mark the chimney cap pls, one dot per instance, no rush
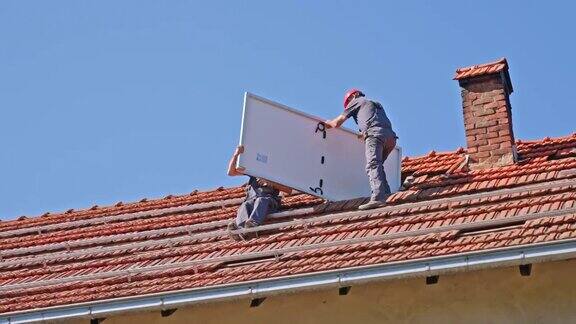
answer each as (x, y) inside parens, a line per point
(482, 69)
(499, 67)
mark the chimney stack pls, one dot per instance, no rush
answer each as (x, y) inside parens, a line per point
(487, 114)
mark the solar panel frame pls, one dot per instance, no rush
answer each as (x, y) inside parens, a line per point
(295, 149)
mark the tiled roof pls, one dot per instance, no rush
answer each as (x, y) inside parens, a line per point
(482, 69)
(180, 242)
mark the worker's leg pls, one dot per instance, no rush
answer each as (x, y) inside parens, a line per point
(262, 207)
(375, 168)
(244, 211)
(389, 145)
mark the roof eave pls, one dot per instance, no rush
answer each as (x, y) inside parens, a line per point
(533, 253)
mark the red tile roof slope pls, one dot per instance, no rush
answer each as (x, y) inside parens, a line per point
(477, 70)
(180, 242)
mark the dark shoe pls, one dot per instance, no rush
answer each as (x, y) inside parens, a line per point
(372, 204)
(232, 227)
(250, 224)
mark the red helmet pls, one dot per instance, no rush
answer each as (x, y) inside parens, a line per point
(348, 96)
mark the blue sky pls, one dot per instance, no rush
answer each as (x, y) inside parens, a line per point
(102, 101)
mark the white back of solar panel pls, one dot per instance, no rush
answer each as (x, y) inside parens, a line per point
(292, 148)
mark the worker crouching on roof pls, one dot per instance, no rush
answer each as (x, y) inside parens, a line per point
(379, 138)
(262, 199)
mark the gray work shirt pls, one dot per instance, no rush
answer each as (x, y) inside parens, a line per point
(255, 189)
(370, 117)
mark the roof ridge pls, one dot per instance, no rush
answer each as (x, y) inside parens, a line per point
(547, 139)
(462, 150)
(434, 153)
(119, 217)
(118, 205)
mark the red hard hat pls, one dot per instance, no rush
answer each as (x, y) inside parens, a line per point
(348, 96)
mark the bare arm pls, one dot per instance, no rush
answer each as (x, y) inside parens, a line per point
(336, 122)
(232, 169)
(277, 186)
(348, 112)
(283, 188)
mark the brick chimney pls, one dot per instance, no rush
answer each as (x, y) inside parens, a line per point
(487, 114)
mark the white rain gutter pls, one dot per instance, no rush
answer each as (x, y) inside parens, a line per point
(534, 253)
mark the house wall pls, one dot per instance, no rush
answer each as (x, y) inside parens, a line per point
(487, 296)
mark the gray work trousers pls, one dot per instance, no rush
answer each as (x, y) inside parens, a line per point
(255, 209)
(377, 150)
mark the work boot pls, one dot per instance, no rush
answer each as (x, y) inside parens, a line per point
(231, 228)
(374, 203)
(250, 224)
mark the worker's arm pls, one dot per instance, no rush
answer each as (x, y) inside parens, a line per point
(283, 188)
(349, 112)
(275, 185)
(232, 169)
(336, 122)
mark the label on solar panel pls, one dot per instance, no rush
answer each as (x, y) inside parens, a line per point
(295, 149)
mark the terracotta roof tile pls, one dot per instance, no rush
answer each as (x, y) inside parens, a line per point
(186, 234)
(482, 69)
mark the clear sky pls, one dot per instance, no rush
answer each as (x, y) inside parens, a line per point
(102, 101)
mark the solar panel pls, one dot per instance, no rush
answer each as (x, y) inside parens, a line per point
(295, 149)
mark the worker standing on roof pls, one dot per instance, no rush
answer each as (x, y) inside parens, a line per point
(262, 198)
(379, 139)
